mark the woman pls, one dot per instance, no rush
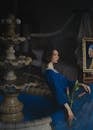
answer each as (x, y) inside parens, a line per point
(58, 83)
(90, 60)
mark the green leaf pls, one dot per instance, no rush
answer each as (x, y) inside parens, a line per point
(72, 96)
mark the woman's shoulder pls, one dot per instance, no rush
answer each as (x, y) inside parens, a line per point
(54, 73)
(49, 72)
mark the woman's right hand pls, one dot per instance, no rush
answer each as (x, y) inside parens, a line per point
(70, 115)
(70, 118)
(69, 112)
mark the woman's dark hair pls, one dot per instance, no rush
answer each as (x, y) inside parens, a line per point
(48, 54)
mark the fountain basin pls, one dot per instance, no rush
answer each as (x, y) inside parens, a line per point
(40, 124)
(36, 114)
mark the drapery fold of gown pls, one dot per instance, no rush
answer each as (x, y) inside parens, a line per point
(82, 108)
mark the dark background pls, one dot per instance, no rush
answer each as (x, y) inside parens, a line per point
(43, 16)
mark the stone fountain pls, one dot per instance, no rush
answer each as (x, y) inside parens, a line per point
(12, 83)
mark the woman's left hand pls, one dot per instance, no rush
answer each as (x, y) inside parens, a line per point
(86, 87)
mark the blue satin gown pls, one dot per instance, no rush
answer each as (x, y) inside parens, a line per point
(82, 108)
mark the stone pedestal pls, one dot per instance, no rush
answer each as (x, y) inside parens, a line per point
(11, 109)
(40, 124)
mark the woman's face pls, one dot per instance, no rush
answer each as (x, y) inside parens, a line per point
(55, 56)
(90, 52)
